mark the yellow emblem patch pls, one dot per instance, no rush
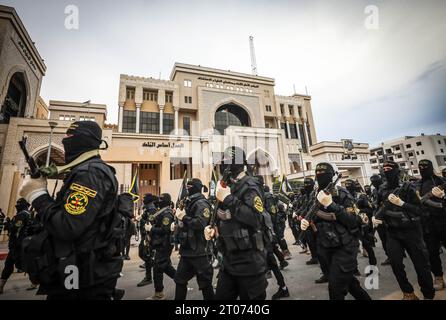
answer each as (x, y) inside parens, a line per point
(76, 203)
(166, 221)
(206, 213)
(87, 191)
(258, 204)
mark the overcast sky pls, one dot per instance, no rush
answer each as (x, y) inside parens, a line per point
(366, 84)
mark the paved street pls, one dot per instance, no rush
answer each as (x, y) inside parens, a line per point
(298, 276)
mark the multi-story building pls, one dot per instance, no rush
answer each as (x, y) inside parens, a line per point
(409, 150)
(167, 127)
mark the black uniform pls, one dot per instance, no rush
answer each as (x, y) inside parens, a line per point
(434, 216)
(194, 259)
(75, 220)
(161, 242)
(18, 229)
(241, 243)
(337, 240)
(404, 231)
(376, 181)
(145, 250)
(278, 219)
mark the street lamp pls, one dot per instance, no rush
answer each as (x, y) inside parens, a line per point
(52, 126)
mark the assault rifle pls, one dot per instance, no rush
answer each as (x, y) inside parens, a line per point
(427, 199)
(33, 169)
(315, 206)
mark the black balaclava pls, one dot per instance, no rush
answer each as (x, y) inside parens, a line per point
(194, 186)
(426, 169)
(392, 173)
(350, 186)
(164, 200)
(84, 136)
(266, 189)
(149, 198)
(21, 205)
(308, 186)
(324, 175)
(358, 187)
(443, 173)
(302, 191)
(234, 158)
(368, 190)
(376, 180)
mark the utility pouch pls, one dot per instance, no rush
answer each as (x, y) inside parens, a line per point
(242, 239)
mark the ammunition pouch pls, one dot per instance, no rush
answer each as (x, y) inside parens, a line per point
(326, 216)
(241, 240)
(328, 236)
(397, 219)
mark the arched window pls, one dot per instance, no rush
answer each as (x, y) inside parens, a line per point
(15, 101)
(231, 115)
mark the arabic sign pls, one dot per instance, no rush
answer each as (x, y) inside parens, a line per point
(229, 82)
(170, 145)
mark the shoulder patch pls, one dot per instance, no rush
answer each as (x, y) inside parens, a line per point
(166, 221)
(76, 203)
(206, 213)
(87, 191)
(258, 204)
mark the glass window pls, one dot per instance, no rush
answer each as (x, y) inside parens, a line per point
(419, 143)
(188, 83)
(178, 166)
(129, 121)
(61, 117)
(302, 138)
(281, 109)
(283, 127)
(169, 97)
(186, 124)
(130, 93)
(290, 109)
(168, 123)
(149, 122)
(408, 146)
(293, 131)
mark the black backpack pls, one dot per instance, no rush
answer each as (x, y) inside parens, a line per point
(38, 251)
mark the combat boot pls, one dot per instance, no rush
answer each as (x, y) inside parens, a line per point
(322, 279)
(281, 293)
(283, 264)
(158, 296)
(286, 254)
(144, 282)
(268, 275)
(311, 262)
(438, 283)
(386, 262)
(410, 296)
(2, 285)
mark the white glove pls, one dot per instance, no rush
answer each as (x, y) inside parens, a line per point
(180, 214)
(376, 222)
(294, 215)
(172, 227)
(437, 192)
(290, 206)
(222, 192)
(148, 227)
(364, 218)
(324, 199)
(209, 233)
(31, 189)
(304, 224)
(395, 200)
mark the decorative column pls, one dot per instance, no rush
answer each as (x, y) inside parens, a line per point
(120, 116)
(279, 125)
(288, 129)
(161, 118)
(138, 116)
(176, 109)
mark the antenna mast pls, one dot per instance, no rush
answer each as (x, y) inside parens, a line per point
(253, 56)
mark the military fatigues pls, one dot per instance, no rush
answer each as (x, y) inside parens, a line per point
(194, 259)
(382, 228)
(434, 222)
(310, 234)
(366, 236)
(292, 223)
(160, 235)
(241, 243)
(337, 246)
(278, 219)
(18, 230)
(145, 250)
(404, 232)
(77, 221)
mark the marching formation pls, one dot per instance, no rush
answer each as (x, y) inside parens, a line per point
(73, 245)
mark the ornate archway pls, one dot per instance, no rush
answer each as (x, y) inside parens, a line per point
(15, 102)
(231, 114)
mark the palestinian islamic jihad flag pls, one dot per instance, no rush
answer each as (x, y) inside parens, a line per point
(134, 187)
(284, 190)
